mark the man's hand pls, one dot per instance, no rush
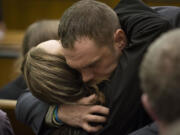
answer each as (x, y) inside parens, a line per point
(80, 114)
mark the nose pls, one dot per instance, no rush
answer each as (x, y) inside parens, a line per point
(87, 75)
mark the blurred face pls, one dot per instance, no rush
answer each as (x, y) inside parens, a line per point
(94, 63)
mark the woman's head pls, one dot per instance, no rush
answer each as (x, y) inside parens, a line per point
(50, 78)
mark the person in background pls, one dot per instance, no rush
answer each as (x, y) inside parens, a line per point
(160, 79)
(5, 125)
(36, 33)
(172, 14)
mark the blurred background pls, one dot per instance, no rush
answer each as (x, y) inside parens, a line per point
(17, 15)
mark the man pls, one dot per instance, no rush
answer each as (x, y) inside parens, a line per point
(99, 47)
(160, 80)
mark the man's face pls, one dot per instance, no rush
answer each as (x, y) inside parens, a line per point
(94, 63)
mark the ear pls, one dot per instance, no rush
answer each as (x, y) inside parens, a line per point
(120, 39)
(147, 105)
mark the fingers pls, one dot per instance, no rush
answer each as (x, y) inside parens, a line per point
(99, 109)
(96, 118)
(88, 100)
(90, 128)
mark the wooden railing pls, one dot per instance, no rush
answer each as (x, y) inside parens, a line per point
(7, 104)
